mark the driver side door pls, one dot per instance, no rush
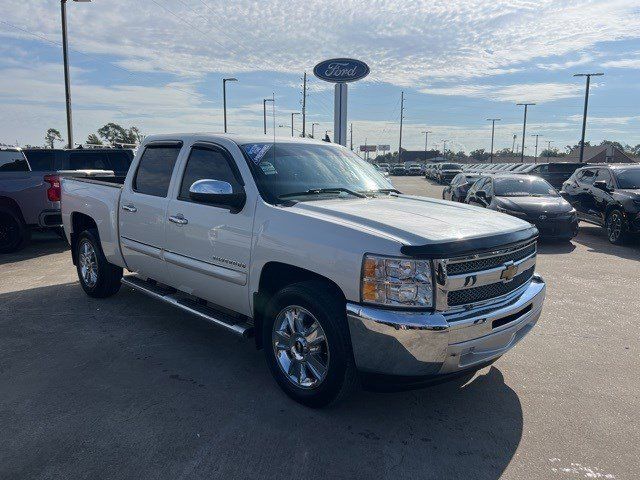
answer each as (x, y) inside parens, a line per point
(208, 246)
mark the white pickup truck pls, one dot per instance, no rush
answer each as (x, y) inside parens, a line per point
(341, 279)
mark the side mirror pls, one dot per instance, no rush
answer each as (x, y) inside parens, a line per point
(217, 192)
(602, 185)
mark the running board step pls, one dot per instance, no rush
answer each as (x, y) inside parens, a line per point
(236, 325)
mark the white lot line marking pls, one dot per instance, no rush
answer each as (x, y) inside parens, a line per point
(576, 470)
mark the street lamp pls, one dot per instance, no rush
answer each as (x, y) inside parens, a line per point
(426, 136)
(264, 111)
(535, 157)
(493, 129)
(444, 148)
(292, 114)
(312, 125)
(224, 99)
(524, 127)
(586, 103)
(65, 60)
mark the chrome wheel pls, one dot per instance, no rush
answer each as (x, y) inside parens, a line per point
(614, 226)
(88, 263)
(300, 347)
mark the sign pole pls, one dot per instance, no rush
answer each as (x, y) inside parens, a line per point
(340, 114)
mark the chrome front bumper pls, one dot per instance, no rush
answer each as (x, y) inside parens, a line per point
(404, 343)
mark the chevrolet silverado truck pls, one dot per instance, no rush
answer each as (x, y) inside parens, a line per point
(339, 278)
(29, 199)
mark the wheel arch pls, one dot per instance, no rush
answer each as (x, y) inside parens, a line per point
(10, 203)
(79, 223)
(273, 277)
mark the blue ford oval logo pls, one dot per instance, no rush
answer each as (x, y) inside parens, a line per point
(339, 70)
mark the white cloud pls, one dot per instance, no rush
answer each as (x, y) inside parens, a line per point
(623, 63)
(529, 92)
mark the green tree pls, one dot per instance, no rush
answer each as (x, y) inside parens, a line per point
(113, 133)
(93, 139)
(51, 137)
(553, 152)
(480, 155)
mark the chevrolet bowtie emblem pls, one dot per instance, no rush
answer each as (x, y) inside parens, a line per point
(510, 271)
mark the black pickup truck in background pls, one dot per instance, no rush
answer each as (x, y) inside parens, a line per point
(51, 159)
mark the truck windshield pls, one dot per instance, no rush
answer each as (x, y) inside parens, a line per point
(284, 170)
(523, 187)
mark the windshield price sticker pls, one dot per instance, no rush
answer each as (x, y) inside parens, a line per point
(257, 151)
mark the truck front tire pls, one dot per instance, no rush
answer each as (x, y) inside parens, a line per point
(14, 234)
(98, 278)
(307, 344)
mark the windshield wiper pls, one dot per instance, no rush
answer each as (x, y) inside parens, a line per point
(320, 191)
(382, 190)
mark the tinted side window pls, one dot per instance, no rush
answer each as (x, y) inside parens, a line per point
(41, 160)
(204, 163)
(120, 160)
(11, 161)
(154, 170)
(563, 167)
(604, 175)
(85, 161)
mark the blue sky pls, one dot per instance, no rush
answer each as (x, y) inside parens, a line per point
(158, 64)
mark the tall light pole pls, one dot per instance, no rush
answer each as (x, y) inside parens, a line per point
(264, 112)
(401, 118)
(65, 60)
(426, 136)
(493, 129)
(292, 114)
(524, 127)
(513, 145)
(444, 149)
(586, 104)
(549, 142)
(224, 99)
(312, 130)
(535, 157)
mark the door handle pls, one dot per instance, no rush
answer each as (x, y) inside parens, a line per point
(129, 208)
(179, 219)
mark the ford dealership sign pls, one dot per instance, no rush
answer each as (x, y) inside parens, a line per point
(341, 70)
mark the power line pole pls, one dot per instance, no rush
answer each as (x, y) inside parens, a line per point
(524, 127)
(586, 104)
(264, 112)
(426, 136)
(493, 129)
(401, 118)
(351, 135)
(549, 142)
(304, 105)
(535, 157)
(224, 99)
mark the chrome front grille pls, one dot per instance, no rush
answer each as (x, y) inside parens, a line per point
(486, 292)
(518, 253)
(482, 278)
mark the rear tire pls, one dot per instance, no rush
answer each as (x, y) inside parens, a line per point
(616, 227)
(314, 369)
(98, 278)
(14, 234)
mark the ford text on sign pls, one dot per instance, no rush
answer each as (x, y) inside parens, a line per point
(341, 70)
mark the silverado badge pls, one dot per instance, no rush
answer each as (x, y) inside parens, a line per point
(510, 271)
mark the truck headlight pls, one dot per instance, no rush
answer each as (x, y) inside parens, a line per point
(397, 282)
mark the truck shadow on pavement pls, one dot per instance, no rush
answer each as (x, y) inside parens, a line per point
(128, 387)
(595, 239)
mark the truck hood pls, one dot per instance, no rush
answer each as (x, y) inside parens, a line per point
(414, 220)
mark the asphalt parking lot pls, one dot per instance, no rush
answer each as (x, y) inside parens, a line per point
(130, 388)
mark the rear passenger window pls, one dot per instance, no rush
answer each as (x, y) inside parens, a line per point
(12, 161)
(155, 168)
(587, 176)
(205, 163)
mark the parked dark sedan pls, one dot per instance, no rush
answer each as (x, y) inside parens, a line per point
(457, 190)
(608, 196)
(529, 198)
(555, 173)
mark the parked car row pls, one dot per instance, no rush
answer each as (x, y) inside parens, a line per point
(442, 172)
(605, 195)
(30, 186)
